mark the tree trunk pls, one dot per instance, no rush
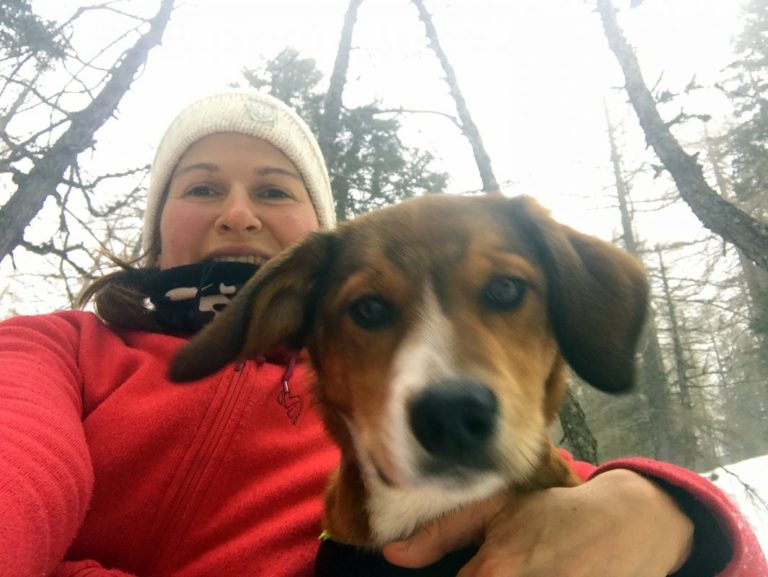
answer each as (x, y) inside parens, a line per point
(48, 170)
(468, 127)
(577, 433)
(687, 446)
(622, 191)
(330, 121)
(653, 382)
(715, 213)
(676, 336)
(653, 375)
(755, 279)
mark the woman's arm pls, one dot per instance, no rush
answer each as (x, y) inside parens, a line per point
(86, 569)
(45, 470)
(633, 518)
(724, 543)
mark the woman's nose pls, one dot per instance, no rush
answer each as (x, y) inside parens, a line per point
(238, 214)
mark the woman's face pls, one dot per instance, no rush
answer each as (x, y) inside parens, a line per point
(233, 197)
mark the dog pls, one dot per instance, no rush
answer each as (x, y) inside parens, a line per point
(439, 330)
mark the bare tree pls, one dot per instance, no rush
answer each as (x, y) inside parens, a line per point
(653, 380)
(467, 125)
(755, 278)
(576, 433)
(717, 214)
(330, 120)
(44, 164)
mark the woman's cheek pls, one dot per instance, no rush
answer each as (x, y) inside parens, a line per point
(183, 231)
(292, 226)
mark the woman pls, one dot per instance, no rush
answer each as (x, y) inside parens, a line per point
(108, 469)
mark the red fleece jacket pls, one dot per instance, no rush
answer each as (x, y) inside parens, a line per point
(108, 469)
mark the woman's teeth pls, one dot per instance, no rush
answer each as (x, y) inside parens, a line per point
(251, 259)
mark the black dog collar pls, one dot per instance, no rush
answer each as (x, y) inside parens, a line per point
(336, 559)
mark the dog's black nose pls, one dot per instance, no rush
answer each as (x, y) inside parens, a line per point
(454, 420)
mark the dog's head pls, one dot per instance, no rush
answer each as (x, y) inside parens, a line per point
(437, 329)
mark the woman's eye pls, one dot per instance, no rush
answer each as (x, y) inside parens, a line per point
(273, 193)
(201, 191)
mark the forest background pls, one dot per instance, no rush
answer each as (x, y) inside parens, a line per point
(647, 126)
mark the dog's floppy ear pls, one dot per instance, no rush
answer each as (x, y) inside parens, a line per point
(597, 296)
(271, 309)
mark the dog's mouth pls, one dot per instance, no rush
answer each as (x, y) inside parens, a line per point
(431, 470)
(468, 467)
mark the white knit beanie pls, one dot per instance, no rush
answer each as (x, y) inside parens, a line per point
(250, 113)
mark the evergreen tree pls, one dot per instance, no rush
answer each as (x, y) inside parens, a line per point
(748, 90)
(372, 167)
(23, 33)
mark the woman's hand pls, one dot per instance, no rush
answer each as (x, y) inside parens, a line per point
(618, 524)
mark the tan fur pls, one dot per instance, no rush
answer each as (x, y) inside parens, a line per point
(584, 305)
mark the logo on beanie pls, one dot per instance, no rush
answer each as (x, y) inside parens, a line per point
(261, 112)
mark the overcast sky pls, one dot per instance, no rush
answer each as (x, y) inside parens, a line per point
(534, 74)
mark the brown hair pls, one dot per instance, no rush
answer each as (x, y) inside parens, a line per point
(120, 297)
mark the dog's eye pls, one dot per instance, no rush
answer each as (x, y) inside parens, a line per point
(371, 312)
(504, 293)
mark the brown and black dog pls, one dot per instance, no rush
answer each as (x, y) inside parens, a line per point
(439, 330)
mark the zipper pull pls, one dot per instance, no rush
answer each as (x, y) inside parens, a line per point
(293, 404)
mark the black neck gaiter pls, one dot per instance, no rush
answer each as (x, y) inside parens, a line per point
(186, 298)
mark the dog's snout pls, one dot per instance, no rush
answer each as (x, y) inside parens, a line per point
(454, 421)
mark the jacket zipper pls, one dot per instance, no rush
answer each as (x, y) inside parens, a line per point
(172, 528)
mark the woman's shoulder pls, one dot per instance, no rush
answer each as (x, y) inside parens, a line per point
(73, 320)
(77, 326)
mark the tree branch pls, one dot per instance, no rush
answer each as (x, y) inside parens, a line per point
(47, 171)
(468, 126)
(715, 213)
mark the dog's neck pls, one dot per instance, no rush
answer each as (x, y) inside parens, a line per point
(395, 513)
(346, 519)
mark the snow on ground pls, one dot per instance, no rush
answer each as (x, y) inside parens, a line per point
(747, 484)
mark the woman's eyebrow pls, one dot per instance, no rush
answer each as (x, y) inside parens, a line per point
(267, 170)
(207, 166)
(211, 167)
